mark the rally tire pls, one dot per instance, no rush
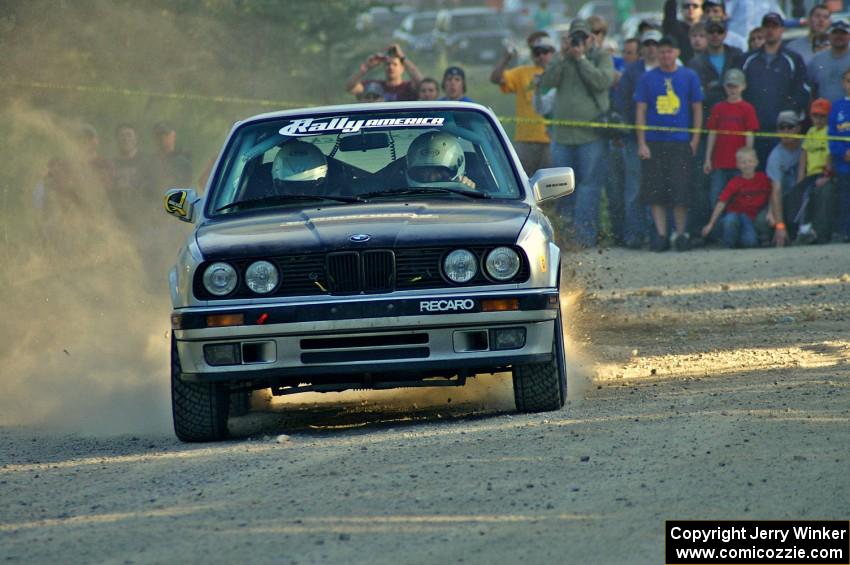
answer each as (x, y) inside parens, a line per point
(542, 387)
(199, 409)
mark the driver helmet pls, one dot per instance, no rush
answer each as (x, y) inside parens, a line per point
(435, 157)
(299, 164)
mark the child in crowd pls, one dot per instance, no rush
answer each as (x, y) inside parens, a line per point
(732, 114)
(698, 37)
(755, 40)
(744, 198)
(839, 151)
(812, 197)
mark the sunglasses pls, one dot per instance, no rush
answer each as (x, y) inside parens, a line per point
(540, 51)
(597, 31)
(716, 31)
(688, 6)
(785, 127)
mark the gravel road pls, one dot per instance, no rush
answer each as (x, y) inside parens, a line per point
(711, 384)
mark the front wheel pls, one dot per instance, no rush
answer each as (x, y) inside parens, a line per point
(199, 409)
(541, 387)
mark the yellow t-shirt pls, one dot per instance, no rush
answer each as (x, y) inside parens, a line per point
(816, 147)
(520, 81)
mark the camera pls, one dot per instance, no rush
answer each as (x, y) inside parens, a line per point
(578, 39)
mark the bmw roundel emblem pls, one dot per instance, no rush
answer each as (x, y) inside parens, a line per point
(360, 237)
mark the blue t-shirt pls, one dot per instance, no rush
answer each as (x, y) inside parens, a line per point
(668, 98)
(464, 98)
(717, 62)
(839, 126)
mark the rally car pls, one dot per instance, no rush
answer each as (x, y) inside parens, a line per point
(365, 246)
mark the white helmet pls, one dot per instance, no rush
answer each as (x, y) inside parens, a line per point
(435, 157)
(299, 162)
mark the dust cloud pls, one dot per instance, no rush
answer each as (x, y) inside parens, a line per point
(84, 342)
(580, 364)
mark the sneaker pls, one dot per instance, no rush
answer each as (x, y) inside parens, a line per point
(659, 244)
(681, 241)
(806, 238)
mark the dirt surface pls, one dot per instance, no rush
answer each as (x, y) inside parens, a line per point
(711, 384)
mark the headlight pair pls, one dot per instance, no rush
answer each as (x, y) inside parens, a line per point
(220, 279)
(501, 264)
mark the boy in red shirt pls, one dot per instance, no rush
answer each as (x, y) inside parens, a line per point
(733, 114)
(743, 199)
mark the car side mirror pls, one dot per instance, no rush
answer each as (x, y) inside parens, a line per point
(180, 203)
(547, 184)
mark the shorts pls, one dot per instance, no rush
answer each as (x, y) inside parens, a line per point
(665, 178)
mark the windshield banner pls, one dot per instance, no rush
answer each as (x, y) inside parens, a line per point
(312, 126)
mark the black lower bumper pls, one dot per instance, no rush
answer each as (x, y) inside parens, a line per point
(398, 370)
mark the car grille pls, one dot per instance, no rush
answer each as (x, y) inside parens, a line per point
(355, 272)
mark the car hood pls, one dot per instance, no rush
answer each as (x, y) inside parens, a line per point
(387, 225)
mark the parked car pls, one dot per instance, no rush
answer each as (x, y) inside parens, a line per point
(472, 35)
(382, 21)
(367, 246)
(417, 33)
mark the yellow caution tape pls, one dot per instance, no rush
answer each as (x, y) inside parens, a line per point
(602, 125)
(166, 95)
(290, 104)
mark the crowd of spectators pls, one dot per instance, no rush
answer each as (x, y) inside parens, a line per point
(667, 183)
(713, 66)
(126, 189)
(140, 177)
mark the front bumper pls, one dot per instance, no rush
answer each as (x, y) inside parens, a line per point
(406, 337)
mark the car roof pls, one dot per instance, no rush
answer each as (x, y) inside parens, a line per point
(377, 107)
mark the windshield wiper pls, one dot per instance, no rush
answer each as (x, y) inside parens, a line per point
(283, 198)
(426, 190)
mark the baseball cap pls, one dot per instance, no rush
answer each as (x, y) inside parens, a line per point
(579, 25)
(454, 71)
(820, 106)
(789, 117)
(735, 76)
(839, 25)
(772, 18)
(544, 42)
(713, 3)
(651, 35)
(670, 41)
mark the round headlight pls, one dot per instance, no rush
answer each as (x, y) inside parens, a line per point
(220, 279)
(460, 265)
(261, 277)
(502, 263)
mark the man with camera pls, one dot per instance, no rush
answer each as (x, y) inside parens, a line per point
(394, 86)
(530, 140)
(582, 73)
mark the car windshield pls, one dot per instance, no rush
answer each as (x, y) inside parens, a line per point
(350, 158)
